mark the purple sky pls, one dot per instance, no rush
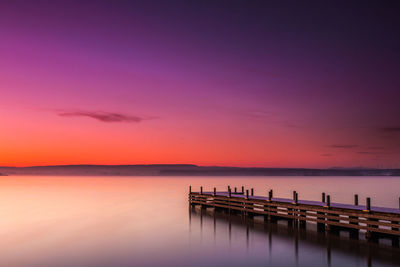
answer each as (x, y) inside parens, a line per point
(249, 83)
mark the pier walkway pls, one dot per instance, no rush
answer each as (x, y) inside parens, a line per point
(376, 222)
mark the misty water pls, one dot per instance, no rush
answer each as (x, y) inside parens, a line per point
(146, 221)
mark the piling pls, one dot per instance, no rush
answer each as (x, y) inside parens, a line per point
(368, 205)
(328, 201)
(354, 233)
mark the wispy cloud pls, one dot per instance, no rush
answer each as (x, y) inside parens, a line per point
(258, 114)
(376, 147)
(375, 153)
(344, 146)
(390, 129)
(269, 117)
(102, 116)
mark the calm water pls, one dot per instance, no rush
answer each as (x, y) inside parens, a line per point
(146, 221)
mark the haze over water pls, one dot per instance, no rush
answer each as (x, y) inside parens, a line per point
(146, 221)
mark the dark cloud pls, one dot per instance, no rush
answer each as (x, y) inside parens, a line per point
(347, 146)
(376, 153)
(390, 129)
(269, 117)
(375, 147)
(258, 114)
(102, 116)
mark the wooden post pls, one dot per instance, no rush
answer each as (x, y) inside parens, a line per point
(321, 225)
(328, 205)
(321, 216)
(291, 213)
(368, 205)
(235, 190)
(201, 190)
(354, 233)
(272, 209)
(242, 189)
(252, 192)
(229, 188)
(229, 192)
(296, 199)
(303, 223)
(215, 191)
(247, 193)
(190, 197)
(370, 234)
(328, 201)
(395, 239)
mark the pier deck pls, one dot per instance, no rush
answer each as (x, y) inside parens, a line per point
(375, 221)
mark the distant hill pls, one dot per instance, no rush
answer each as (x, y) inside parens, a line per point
(189, 170)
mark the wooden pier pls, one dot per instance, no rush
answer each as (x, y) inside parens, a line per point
(376, 222)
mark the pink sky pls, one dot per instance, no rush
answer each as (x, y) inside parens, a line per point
(142, 84)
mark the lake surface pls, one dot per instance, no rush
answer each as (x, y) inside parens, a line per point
(146, 221)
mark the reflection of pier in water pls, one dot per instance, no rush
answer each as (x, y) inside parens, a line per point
(330, 242)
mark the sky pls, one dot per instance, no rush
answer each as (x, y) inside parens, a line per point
(230, 83)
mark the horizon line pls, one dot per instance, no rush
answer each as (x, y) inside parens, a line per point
(195, 165)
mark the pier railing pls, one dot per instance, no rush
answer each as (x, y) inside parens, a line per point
(375, 221)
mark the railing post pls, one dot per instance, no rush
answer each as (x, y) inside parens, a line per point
(368, 205)
(235, 190)
(294, 196)
(296, 199)
(252, 192)
(242, 189)
(215, 191)
(190, 189)
(356, 199)
(201, 190)
(229, 192)
(247, 193)
(323, 197)
(328, 201)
